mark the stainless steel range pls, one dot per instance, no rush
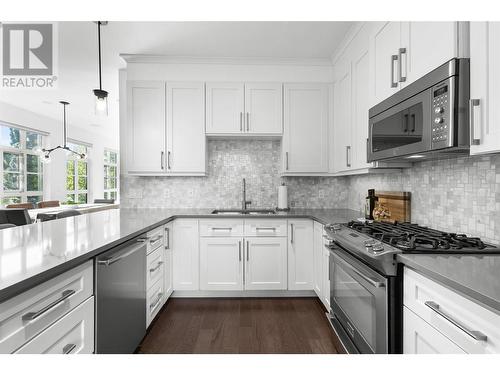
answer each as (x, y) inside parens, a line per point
(366, 280)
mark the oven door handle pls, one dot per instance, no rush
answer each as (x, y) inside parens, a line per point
(368, 279)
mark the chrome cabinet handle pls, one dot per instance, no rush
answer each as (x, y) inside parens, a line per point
(241, 121)
(239, 250)
(161, 160)
(291, 233)
(155, 239)
(401, 52)
(35, 314)
(154, 305)
(167, 234)
(265, 229)
(68, 348)
(158, 265)
(221, 228)
(286, 160)
(476, 335)
(110, 261)
(473, 140)
(348, 156)
(248, 252)
(168, 160)
(248, 121)
(393, 59)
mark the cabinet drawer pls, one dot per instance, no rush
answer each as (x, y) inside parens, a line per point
(421, 338)
(154, 301)
(155, 267)
(72, 334)
(221, 227)
(265, 228)
(154, 239)
(466, 323)
(26, 315)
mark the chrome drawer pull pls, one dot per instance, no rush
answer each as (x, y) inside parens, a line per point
(68, 348)
(155, 239)
(33, 315)
(158, 265)
(154, 305)
(476, 335)
(229, 228)
(266, 228)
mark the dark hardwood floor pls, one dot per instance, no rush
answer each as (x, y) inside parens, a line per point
(241, 325)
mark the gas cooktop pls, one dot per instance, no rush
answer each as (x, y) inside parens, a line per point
(414, 238)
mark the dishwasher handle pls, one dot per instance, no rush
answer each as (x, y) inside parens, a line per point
(130, 251)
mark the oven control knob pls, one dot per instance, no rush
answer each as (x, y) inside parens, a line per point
(333, 227)
(378, 248)
(438, 120)
(438, 110)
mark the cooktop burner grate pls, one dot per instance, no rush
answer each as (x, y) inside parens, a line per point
(410, 237)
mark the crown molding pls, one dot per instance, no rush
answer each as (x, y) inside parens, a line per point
(350, 35)
(166, 59)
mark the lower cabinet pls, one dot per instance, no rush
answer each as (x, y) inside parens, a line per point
(185, 250)
(221, 263)
(300, 254)
(321, 266)
(265, 263)
(421, 338)
(154, 301)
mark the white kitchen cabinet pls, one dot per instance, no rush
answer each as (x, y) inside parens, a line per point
(145, 131)
(225, 108)
(155, 298)
(318, 259)
(263, 108)
(221, 263)
(186, 139)
(325, 298)
(168, 274)
(342, 126)
(305, 136)
(185, 250)
(265, 263)
(421, 338)
(485, 87)
(300, 254)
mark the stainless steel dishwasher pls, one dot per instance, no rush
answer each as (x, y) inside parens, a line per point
(120, 283)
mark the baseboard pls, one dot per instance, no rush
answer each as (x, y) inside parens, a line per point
(241, 293)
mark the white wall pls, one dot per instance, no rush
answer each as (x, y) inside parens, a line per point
(55, 172)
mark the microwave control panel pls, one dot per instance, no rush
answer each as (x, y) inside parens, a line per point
(440, 117)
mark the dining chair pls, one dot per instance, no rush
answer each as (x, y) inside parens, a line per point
(67, 213)
(27, 205)
(16, 216)
(45, 204)
(7, 225)
(100, 200)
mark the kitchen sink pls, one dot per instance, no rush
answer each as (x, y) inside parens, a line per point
(244, 212)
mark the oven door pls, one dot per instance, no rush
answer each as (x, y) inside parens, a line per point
(404, 129)
(358, 298)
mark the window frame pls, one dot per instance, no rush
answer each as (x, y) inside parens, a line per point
(23, 153)
(116, 189)
(75, 160)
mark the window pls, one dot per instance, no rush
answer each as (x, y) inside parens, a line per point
(110, 174)
(21, 167)
(77, 176)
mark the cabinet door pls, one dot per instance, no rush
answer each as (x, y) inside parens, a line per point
(420, 338)
(185, 127)
(185, 248)
(485, 86)
(263, 108)
(221, 263)
(300, 255)
(305, 138)
(428, 45)
(386, 41)
(318, 259)
(225, 108)
(168, 275)
(265, 263)
(326, 279)
(146, 126)
(342, 117)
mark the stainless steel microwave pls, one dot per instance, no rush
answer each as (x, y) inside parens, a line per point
(427, 119)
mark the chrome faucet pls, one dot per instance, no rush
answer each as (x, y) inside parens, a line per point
(244, 202)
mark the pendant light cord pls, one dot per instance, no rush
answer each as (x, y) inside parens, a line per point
(99, 44)
(64, 126)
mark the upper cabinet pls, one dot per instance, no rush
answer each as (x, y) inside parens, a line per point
(165, 128)
(305, 137)
(244, 109)
(145, 126)
(405, 51)
(485, 87)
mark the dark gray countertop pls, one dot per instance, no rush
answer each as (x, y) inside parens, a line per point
(34, 253)
(474, 276)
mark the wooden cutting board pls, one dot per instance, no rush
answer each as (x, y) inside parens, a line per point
(392, 206)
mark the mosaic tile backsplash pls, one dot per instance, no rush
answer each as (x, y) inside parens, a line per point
(457, 195)
(229, 161)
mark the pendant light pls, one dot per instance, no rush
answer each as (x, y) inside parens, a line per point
(45, 153)
(101, 96)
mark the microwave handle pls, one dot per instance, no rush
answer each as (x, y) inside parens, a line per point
(473, 103)
(405, 123)
(394, 58)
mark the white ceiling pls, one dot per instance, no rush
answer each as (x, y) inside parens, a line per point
(78, 56)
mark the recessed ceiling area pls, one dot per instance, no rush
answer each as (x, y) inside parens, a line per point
(78, 56)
